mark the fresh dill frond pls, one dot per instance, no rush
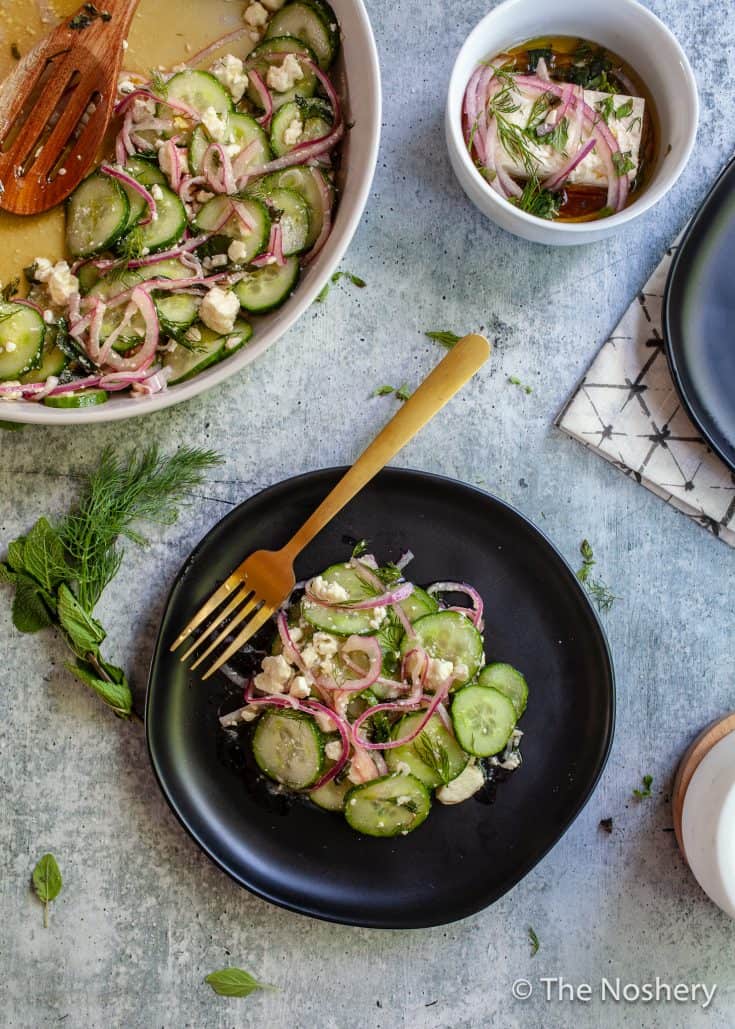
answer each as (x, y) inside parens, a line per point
(534, 941)
(543, 203)
(360, 548)
(434, 755)
(602, 595)
(447, 339)
(131, 247)
(158, 84)
(623, 162)
(118, 494)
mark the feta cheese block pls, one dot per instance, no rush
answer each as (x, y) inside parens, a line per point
(591, 171)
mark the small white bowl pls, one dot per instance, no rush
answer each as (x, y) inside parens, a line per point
(626, 28)
(357, 74)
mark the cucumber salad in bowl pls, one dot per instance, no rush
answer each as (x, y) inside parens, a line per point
(376, 698)
(219, 190)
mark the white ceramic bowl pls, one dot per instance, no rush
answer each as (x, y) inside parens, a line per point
(622, 26)
(708, 824)
(358, 76)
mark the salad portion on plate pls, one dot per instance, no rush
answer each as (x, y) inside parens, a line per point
(376, 697)
(219, 190)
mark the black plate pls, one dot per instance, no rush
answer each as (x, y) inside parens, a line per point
(462, 858)
(699, 318)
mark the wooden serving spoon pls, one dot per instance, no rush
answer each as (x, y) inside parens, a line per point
(56, 104)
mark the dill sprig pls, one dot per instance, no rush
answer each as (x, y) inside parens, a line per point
(434, 755)
(601, 593)
(148, 487)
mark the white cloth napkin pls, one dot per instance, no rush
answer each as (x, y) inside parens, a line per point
(627, 410)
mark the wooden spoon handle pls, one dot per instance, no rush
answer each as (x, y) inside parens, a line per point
(460, 364)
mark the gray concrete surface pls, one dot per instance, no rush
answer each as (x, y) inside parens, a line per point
(143, 915)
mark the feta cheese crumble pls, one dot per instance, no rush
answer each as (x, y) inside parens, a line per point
(237, 252)
(256, 15)
(230, 72)
(293, 132)
(219, 310)
(215, 124)
(57, 278)
(333, 750)
(328, 592)
(463, 787)
(283, 77)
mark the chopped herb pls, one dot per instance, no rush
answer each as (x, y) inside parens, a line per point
(389, 574)
(15, 51)
(433, 755)
(600, 593)
(633, 122)
(538, 112)
(403, 393)
(383, 391)
(447, 339)
(59, 573)
(354, 279)
(360, 548)
(606, 107)
(534, 56)
(534, 941)
(132, 246)
(589, 69)
(158, 84)
(641, 794)
(10, 290)
(623, 162)
(606, 824)
(234, 982)
(624, 110)
(542, 203)
(515, 381)
(47, 883)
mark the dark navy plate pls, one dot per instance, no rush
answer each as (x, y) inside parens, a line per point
(699, 318)
(462, 858)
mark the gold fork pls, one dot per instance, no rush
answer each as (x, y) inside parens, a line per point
(259, 586)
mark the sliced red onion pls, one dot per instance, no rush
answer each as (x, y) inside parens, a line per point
(461, 587)
(147, 351)
(301, 154)
(242, 216)
(265, 97)
(116, 333)
(420, 678)
(369, 646)
(222, 179)
(167, 255)
(146, 94)
(239, 165)
(404, 560)
(212, 48)
(133, 184)
(557, 180)
(393, 596)
(403, 619)
(433, 704)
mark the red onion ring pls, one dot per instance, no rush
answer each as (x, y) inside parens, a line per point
(365, 645)
(461, 587)
(433, 703)
(137, 187)
(265, 97)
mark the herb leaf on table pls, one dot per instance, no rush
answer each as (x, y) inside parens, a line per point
(234, 982)
(645, 791)
(59, 573)
(602, 595)
(47, 882)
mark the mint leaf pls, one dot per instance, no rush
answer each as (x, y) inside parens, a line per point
(44, 555)
(234, 982)
(7, 574)
(85, 632)
(116, 694)
(30, 612)
(16, 559)
(47, 882)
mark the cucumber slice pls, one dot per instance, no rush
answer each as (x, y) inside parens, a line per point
(267, 288)
(508, 681)
(88, 277)
(146, 171)
(312, 118)
(450, 636)
(483, 720)
(329, 18)
(305, 22)
(304, 181)
(96, 215)
(332, 619)
(418, 604)
(434, 756)
(289, 748)
(83, 398)
(243, 131)
(390, 806)
(185, 363)
(294, 219)
(53, 362)
(200, 90)
(136, 205)
(211, 215)
(332, 795)
(272, 52)
(22, 332)
(176, 312)
(168, 228)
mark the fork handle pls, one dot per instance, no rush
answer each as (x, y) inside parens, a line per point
(460, 364)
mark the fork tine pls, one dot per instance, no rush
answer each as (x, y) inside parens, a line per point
(228, 629)
(209, 607)
(250, 629)
(236, 601)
